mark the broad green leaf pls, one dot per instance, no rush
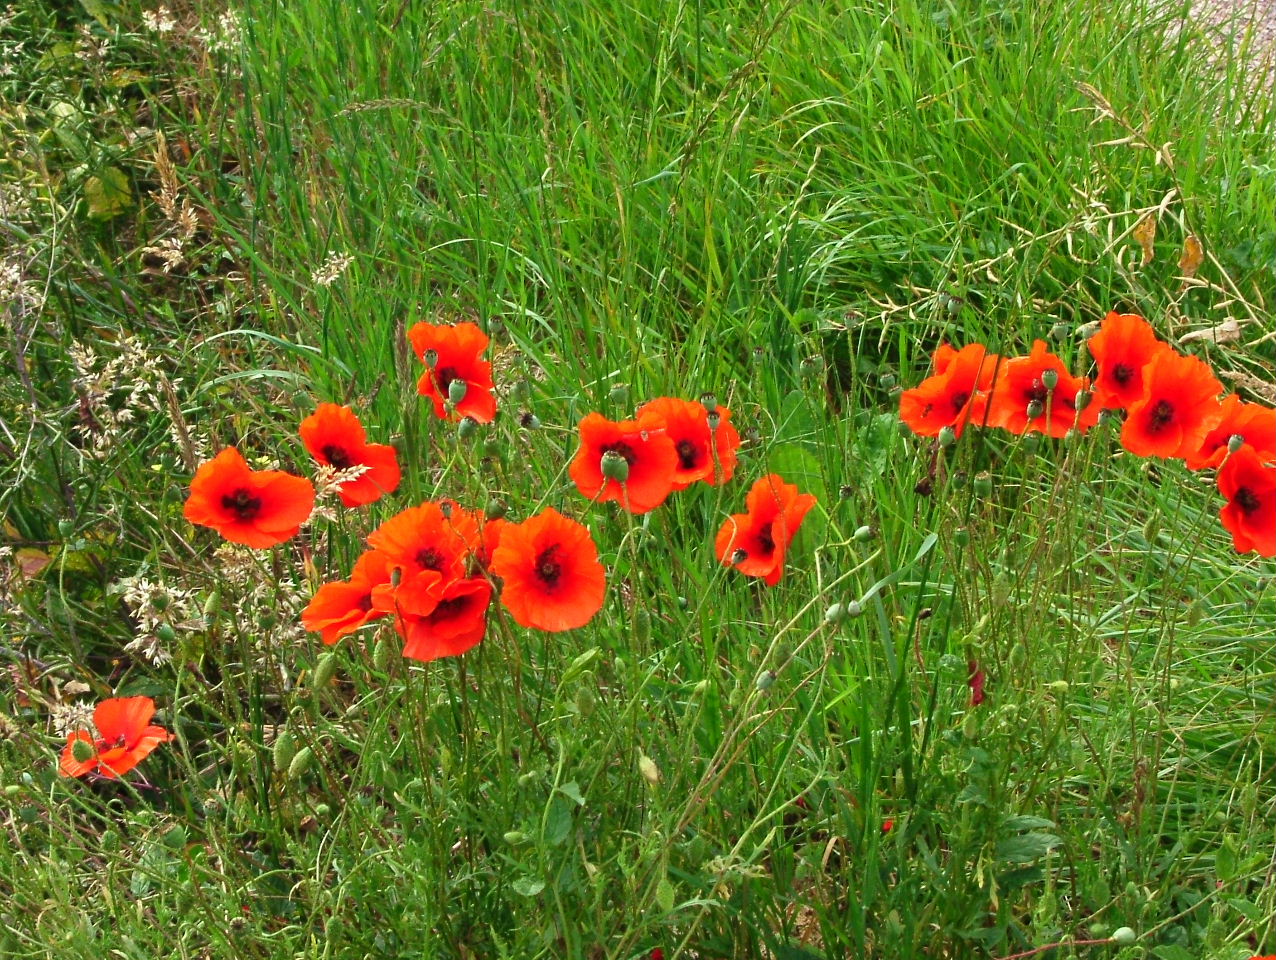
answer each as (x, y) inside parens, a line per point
(108, 194)
(1026, 847)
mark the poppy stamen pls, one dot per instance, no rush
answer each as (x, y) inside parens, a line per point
(1122, 373)
(337, 457)
(429, 558)
(242, 504)
(688, 455)
(548, 569)
(1162, 414)
(1246, 500)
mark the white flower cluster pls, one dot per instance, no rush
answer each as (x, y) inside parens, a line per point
(333, 266)
(160, 611)
(159, 20)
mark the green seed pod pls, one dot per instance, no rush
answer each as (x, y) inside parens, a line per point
(1072, 437)
(959, 480)
(854, 609)
(1235, 442)
(161, 602)
(1050, 379)
(614, 466)
(431, 359)
(1060, 331)
(166, 632)
(456, 391)
(495, 327)
(212, 607)
(1035, 409)
(1082, 400)
(1032, 442)
(983, 483)
(82, 751)
(961, 536)
(1124, 936)
(284, 749)
(619, 394)
(325, 670)
(301, 763)
(947, 437)
(468, 426)
(886, 380)
(495, 508)
(953, 304)
(642, 626)
(835, 614)
(66, 528)
(381, 656)
(322, 810)
(862, 533)
(12, 790)
(709, 401)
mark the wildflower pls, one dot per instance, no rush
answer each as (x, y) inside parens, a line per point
(1253, 422)
(1021, 402)
(705, 443)
(888, 825)
(343, 607)
(125, 736)
(451, 354)
(457, 622)
(1123, 347)
(1249, 484)
(550, 571)
(335, 438)
(976, 682)
(1172, 417)
(756, 542)
(951, 398)
(258, 508)
(425, 538)
(646, 449)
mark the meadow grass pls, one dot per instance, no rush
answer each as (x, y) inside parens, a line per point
(786, 205)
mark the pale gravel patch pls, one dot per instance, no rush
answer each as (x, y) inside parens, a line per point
(1248, 26)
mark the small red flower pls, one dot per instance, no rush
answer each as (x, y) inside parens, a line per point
(705, 443)
(125, 738)
(951, 398)
(451, 353)
(888, 825)
(1172, 417)
(649, 455)
(755, 542)
(341, 608)
(335, 437)
(258, 508)
(428, 538)
(549, 568)
(1022, 402)
(1252, 421)
(1124, 345)
(456, 623)
(976, 682)
(1249, 485)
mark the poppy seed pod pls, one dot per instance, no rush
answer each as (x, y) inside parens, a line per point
(709, 401)
(468, 426)
(82, 751)
(431, 359)
(1060, 331)
(1235, 442)
(766, 680)
(1082, 400)
(495, 326)
(947, 437)
(614, 466)
(862, 533)
(1031, 442)
(166, 632)
(1035, 409)
(529, 421)
(983, 483)
(619, 394)
(456, 391)
(1050, 379)
(886, 380)
(739, 556)
(961, 536)
(495, 509)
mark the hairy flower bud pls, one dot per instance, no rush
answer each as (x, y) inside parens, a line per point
(325, 670)
(82, 751)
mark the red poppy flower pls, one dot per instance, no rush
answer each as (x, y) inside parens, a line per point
(1124, 345)
(428, 538)
(258, 508)
(888, 825)
(451, 353)
(976, 682)
(944, 355)
(755, 542)
(649, 455)
(705, 452)
(1021, 386)
(551, 576)
(1252, 421)
(1172, 417)
(340, 608)
(457, 622)
(952, 397)
(1249, 485)
(335, 437)
(125, 738)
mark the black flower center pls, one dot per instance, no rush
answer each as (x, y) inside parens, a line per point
(1247, 500)
(428, 558)
(449, 608)
(365, 603)
(958, 400)
(1162, 414)
(688, 455)
(242, 504)
(445, 377)
(548, 567)
(766, 541)
(337, 456)
(1037, 392)
(1122, 373)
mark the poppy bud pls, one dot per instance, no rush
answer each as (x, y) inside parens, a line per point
(166, 632)
(1072, 437)
(495, 508)
(709, 401)
(82, 751)
(1124, 936)
(468, 426)
(381, 656)
(614, 466)
(835, 614)
(854, 608)
(285, 748)
(495, 326)
(1035, 409)
(161, 602)
(619, 394)
(647, 767)
(302, 762)
(1050, 379)
(766, 680)
(862, 533)
(1082, 400)
(947, 437)
(431, 358)
(700, 687)
(1151, 527)
(212, 606)
(642, 626)
(886, 380)
(983, 483)
(739, 556)
(110, 840)
(961, 536)
(1058, 687)
(325, 670)
(1235, 442)
(514, 837)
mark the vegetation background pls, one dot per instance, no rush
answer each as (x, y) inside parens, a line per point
(213, 218)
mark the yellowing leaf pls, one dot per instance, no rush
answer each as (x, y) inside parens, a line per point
(108, 194)
(1192, 258)
(31, 561)
(1145, 236)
